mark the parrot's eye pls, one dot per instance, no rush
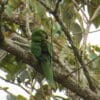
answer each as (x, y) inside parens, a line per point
(46, 36)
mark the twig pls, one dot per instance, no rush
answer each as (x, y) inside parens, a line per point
(19, 38)
(28, 31)
(57, 6)
(91, 61)
(15, 84)
(96, 13)
(22, 44)
(17, 20)
(94, 31)
(2, 54)
(5, 89)
(74, 1)
(58, 96)
(85, 35)
(49, 9)
(1, 12)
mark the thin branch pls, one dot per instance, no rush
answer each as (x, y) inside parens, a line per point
(58, 96)
(57, 6)
(2, 54)
(63, 65)
(95, 31)
(5, 90)
(77, 5)
(49, 9)
(19, 38)
(14, 84)
(22, 44)
(85, 35)
(91, 61)
(17, 20)
(28, 31)
(96, 13)
(1, 34)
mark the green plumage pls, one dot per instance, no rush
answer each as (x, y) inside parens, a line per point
(42, 50)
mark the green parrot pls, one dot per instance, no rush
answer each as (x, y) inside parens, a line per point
(42, 50)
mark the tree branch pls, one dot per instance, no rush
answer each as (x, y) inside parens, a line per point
(96, 13)
(19, 52)
(57, 6)
(91, 61)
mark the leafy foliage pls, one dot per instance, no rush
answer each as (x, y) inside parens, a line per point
(18, 21)
(11, 66)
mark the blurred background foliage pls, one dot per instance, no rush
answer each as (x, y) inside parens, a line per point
(21, 17)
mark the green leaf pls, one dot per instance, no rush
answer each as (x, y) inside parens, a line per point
(40, 10)
(92, 55)
(20, 97)
(9, 10)
(11, 97)
(76, 29)
(97, 48)
(68, 14)
(56, 28)
(96, 21)
(77, 33)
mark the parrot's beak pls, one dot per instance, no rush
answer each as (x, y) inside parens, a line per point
(46, 36)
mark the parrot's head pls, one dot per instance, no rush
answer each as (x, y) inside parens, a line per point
(39, 35)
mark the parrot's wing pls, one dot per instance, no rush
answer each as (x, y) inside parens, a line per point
(42, 49)
(47, 69)
(50, 49)
(36, 49)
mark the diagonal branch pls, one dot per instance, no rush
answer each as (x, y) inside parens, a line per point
(91, 61)
(96, 13)
(57, 6)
